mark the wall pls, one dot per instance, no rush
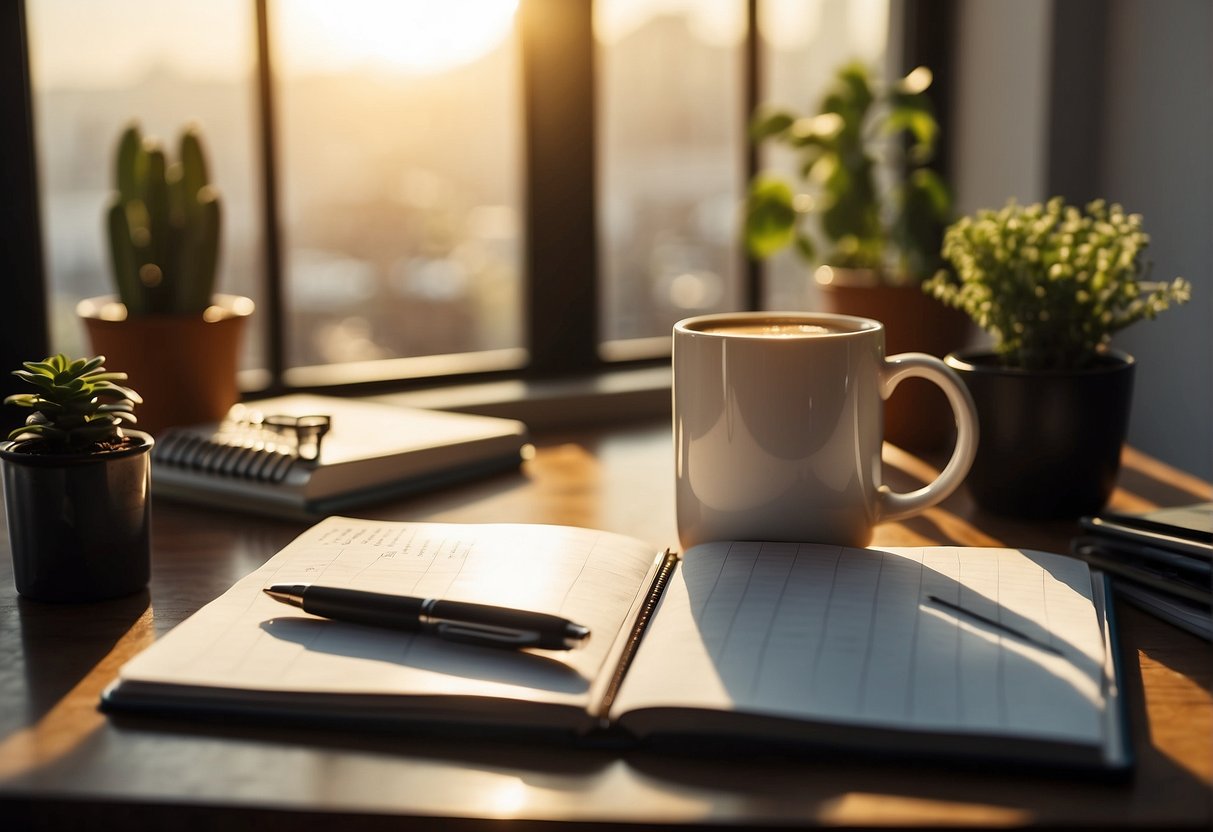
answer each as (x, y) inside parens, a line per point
(1158, 161)
(1151, 140)
(1002, 66)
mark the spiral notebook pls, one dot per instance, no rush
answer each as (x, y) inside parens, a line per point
(309, 456)
(991, 654)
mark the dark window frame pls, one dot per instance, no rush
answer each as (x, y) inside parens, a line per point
(561, 234)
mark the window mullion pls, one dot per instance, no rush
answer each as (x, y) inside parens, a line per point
(23, 315)
(562, 256)
(273, 279)
(752, 272)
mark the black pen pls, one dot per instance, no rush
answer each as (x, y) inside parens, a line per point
(451, 620)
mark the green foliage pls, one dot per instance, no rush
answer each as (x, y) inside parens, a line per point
(76, 406)
(1052, 283)
(855, 223)
(163, 225)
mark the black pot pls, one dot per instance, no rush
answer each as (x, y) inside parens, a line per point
(79, 524)
(1050, 440)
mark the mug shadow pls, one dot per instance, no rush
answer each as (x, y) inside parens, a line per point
(878, 636)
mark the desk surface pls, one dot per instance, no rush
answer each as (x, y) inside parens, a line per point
(65, 765)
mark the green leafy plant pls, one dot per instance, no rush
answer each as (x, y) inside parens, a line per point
(837, 213)
(1052, 282)
(77, 405)
(163, 225)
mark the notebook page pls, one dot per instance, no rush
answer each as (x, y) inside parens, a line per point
(875, 638)
(246, 640)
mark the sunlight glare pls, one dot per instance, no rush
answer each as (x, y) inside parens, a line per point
(719, 23)
(404, 36)
(868, 22)
(790, 24)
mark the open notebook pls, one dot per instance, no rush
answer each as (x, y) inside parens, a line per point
(994, 654)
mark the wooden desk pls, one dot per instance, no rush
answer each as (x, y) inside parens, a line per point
(64, 765)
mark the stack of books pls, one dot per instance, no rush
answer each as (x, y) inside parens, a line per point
(1161, 561)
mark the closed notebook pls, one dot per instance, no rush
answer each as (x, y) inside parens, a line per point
(971, 654)
(256, 460)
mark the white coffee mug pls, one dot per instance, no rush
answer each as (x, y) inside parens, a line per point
(779, 423)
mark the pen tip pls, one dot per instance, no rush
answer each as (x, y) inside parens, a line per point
(575, 635)
(285, 593)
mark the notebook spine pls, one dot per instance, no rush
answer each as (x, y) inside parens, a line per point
(642, 622)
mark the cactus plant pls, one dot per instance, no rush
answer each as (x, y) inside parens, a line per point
(163, 225)
(77, 406)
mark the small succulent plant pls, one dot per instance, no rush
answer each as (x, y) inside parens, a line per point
(1052, 282)
(77, 405)
(163, 226)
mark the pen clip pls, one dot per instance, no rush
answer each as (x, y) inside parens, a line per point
(485, 634)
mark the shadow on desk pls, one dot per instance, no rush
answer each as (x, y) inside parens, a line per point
(821, 786)
(84, 634)
(470, 748)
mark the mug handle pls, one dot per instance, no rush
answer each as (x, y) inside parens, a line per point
(894, 505)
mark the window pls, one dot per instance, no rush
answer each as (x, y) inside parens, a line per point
(400, 189)
(810, 41)
(93, 72)
(416, 189)
(670, 151)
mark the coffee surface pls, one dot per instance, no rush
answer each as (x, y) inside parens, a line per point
(772, 328)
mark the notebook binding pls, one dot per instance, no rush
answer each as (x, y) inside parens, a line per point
(225, 456)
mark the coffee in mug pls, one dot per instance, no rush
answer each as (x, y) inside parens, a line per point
(779, 423)
(770, 328)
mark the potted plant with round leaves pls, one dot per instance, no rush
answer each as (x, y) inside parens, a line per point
(872, 237)
(178, 340)
(76, 484)
(1051, 283)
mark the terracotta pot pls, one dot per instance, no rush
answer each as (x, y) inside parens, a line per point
(78, 524)
(917, 416)
(1050, 440)
(183, 366)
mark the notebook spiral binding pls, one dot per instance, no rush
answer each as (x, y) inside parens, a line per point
(248, 445)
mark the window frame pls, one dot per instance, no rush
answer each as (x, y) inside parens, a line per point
(561, 236)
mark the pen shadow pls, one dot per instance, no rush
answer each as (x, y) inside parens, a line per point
(421, 652)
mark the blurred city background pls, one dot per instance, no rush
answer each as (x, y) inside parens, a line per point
(400, 152)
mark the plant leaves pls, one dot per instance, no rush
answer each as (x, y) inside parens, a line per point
(770, 122)
(919, 122)
(770, 217)
(931, 189)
